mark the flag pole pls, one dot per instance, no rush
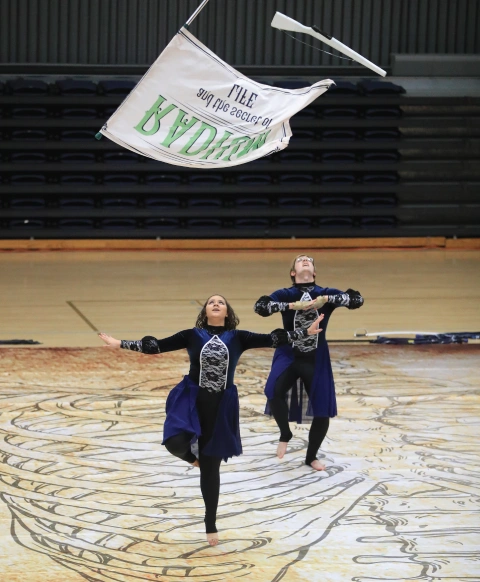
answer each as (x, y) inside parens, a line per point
(195, 14)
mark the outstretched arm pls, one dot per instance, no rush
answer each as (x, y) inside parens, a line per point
(266, 306)
(278, 337)
(350, 299)
(149, 344)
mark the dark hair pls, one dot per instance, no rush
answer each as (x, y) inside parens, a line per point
(231, 321)
(292, 268)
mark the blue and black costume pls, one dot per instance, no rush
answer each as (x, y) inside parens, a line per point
(204, 405)
(307, 359)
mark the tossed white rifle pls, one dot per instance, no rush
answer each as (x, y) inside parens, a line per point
(283, 22)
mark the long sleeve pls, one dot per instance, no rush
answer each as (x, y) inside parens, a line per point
(278, 337)
(350, 299)
(152, 345)
(267, 305)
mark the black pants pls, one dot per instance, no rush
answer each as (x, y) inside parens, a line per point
(303, 368)
(179, 446)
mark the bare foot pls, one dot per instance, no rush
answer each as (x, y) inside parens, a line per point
(281, 449)
(196, 463)
(317, 465)
(212, 538)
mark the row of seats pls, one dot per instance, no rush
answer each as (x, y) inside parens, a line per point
(300, 135)
(216, 223)
(122, 87)
(60, 112)
(172, 180)
(198, 202)
(69, 157)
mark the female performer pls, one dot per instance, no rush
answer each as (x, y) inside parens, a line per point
(204, 405)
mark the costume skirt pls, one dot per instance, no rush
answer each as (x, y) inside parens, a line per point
(322, 400)
(182, 416)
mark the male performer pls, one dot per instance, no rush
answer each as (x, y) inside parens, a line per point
(307, 359)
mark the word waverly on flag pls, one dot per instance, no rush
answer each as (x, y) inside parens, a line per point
(192, 109)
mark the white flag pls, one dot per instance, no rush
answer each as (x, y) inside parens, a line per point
(192, 109)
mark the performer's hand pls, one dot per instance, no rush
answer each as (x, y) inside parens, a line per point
(314, 329)
(317, 303)
(110, 341)
(300, 305)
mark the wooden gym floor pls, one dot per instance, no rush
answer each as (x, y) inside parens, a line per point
(62, 298)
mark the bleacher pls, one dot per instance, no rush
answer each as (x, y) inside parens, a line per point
(366, 159)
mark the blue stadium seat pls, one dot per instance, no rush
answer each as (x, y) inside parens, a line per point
(155, 223)
(296, 179)
(338, 178)
(343, 88)
(380, 88)
(291, 84)
(383, 112)
(76, 87)
(340, 112)
(120, 179)
(120, 202)
(303, 135)
(28, 157)
(22, 179)
(340, 156)
(374, 221)
(29, 135)
(381, 156)
(307, 113)
(252, 179)
(66, 223)
(2, 87)
(27, 202)
(201, 202)
(204, 223)
(294, 202)
(339, 135)
(380, 178)
(161, 202)
(30, 112)
(79, 202)
(167, 179)
(120, 157)
(27, 86)
(295, 221)
(112, 87)
(337, 200)
(383, 134)
(201, 179)
(296, 157)
(252, 201)
(116, 223)
(78, 135)
(78, 113)
(73, 179)
(336, 221)
(77, 158)
(26, 223)
(260, 223)
(379, 200)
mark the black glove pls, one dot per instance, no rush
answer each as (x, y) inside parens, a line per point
(356, 300)
(150, 345)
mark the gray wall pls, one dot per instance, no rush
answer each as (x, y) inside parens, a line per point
(135, 31)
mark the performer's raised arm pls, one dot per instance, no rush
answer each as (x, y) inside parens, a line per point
(278, 337)
(350, 299)
(267, 305)
(149, 344)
